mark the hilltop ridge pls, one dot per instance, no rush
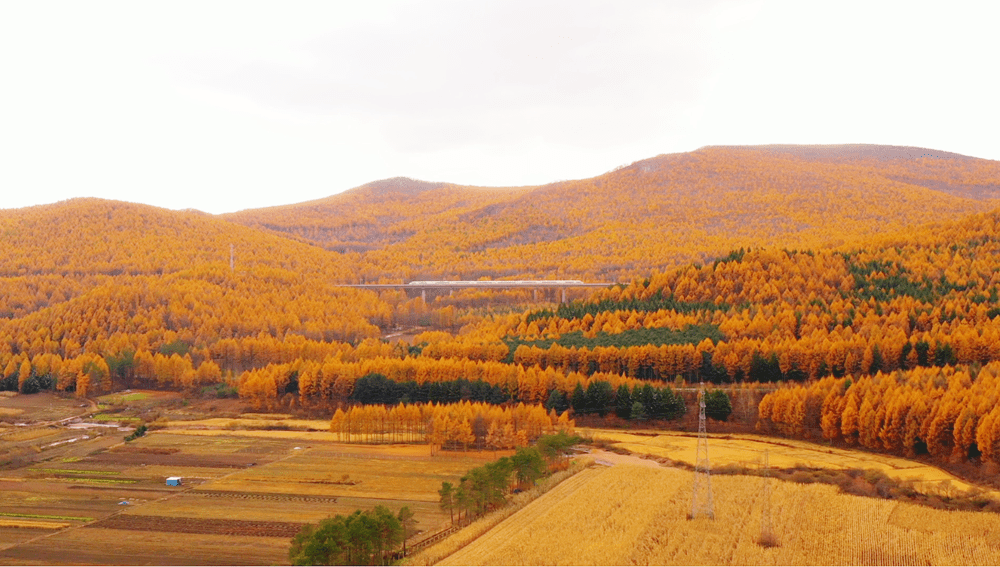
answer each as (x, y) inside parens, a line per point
(837, 152)
(651, 214)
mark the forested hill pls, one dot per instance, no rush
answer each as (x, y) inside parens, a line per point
(94, 236)
(376, 214)
(648, 216)
(955, 174)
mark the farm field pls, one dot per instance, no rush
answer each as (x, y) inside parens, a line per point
(747, 450)
(248, 490)
(628, 514)
(244, 494)
(253, 421)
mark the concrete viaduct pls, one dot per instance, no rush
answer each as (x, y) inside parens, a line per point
(535, 285)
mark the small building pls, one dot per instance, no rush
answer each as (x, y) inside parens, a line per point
(173, 481)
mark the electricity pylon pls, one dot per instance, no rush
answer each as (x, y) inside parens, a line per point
(766, 531)
(701, 502)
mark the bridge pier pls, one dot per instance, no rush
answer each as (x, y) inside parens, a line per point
(423, 295)
(563, 295)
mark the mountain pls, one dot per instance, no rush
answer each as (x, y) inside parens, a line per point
(955, 174)
(374, 215)
(650, 215)
(91, 276)
(95, 236)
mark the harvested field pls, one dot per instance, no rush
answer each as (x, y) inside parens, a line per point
(283, 507)
(747, 450)
(52, 501)
(253, 528)
(32, 524)
(178, 459)
(638, 515)
(273, 496)
(227, 511)
(321, 473)
(97, 546)
(11, 536)
(44, 406)
(254, 422)
(301, 436)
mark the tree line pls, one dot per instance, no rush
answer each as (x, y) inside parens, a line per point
(950, 413)
(486, 488)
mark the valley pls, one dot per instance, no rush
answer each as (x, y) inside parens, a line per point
(837, 306)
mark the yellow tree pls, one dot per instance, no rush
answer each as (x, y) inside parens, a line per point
(849, 418)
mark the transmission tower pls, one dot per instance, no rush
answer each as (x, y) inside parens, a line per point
(766, 531)
(701, 502)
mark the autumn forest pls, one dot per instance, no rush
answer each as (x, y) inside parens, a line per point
(841, 293)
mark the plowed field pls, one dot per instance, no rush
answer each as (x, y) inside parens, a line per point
(136, 522)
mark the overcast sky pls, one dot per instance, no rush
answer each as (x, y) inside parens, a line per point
(222, 106)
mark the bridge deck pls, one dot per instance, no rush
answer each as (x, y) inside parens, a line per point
(481, 284)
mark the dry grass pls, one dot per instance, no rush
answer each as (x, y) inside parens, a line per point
(34, 524)
(253, 423)
(212, 444)
(637, 515)
(746, 450)
(377, 474)
(268, 416)
(10, 412)
(304, 436)
(20, 434)
(429, 515)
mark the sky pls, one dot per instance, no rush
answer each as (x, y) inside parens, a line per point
(222, 106)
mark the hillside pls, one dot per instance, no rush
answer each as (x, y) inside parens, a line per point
(98, 237)
(651, 215)
(93, 281)
(376, 214)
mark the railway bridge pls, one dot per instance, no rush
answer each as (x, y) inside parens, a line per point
(535, 285)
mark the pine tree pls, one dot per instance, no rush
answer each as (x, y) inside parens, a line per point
(579, 400)
(556, 401)
(623, 402)
(717, 405)
(600, 397)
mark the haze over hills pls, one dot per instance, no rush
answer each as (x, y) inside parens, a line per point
(655, 213)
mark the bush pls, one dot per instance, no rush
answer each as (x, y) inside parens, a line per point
(717, 405)
(137, 433)
(802, 477)
(220, 390)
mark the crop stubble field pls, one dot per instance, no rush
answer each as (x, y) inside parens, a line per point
(747, 450)
(248, 490)
(245, 494)
(628, 514)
